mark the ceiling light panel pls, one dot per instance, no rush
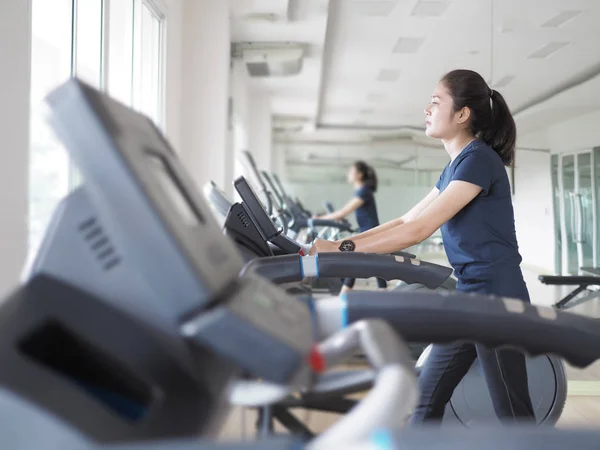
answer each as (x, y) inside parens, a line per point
(547, 50)
(561, 18)
(429, 9)
(502, 82)
(408, 45)
(373, 9)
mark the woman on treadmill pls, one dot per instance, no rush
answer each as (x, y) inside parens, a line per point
(364, 179)
(471, 202)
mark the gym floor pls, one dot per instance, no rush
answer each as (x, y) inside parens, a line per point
(583, 401)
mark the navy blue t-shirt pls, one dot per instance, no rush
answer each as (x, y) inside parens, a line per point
(480, 241)
(366, 215)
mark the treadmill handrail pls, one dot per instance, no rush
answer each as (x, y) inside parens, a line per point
(451, 316)
(515, 437)
(388, 267)
(254, 168)
(259, 179)
(274, 190)
(570, 280)
(329, 223)
(291, 268)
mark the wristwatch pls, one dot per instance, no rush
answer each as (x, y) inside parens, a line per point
(347, 246)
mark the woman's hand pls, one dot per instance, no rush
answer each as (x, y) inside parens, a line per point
(322, 246)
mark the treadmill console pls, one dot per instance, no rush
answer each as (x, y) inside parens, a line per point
(251, 201)
(263, 221)
(153, 212)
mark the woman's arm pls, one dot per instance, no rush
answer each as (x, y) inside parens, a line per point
(410, 215)
(438, 211)
(457, 195)
(349, 208)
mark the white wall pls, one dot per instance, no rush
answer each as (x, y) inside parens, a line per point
(577, 133)
(15, 54)
(260, 140)
(240, 95)
(532, 202)
(392, 201)
(199, 80)
(253, 122)
(534, 215)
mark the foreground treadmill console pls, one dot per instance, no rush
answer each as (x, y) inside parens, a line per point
(132, 320)
(140, 188)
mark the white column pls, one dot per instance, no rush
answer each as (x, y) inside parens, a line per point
(260, 129)
(205, 60)
(239, 92)
(15, 54)
(173, 73)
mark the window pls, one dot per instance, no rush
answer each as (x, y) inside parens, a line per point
(88, 54)
(120, 55)
(51, 64)
(88, 42)
(115, 45)
(147, 60)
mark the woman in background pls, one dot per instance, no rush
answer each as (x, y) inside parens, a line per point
(364, 179)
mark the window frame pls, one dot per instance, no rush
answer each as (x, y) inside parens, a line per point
(158, 10)
(74, 175)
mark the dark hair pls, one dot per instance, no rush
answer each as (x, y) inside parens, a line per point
(491, 119)
(368, 175)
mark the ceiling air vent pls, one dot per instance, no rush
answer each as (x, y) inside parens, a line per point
(561, 18)
(270, 59)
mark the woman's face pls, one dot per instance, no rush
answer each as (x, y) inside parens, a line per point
(352, 174)
(440, 118)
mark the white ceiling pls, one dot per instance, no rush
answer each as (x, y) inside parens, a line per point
(264, 21)
(372, 65)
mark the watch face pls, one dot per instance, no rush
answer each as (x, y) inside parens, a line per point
(347, 246)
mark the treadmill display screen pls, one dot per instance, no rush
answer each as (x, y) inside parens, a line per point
(171, 189)
(263, 221)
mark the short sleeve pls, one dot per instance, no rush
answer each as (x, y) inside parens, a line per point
(362, 193)
(438, 185)
(476, 168)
